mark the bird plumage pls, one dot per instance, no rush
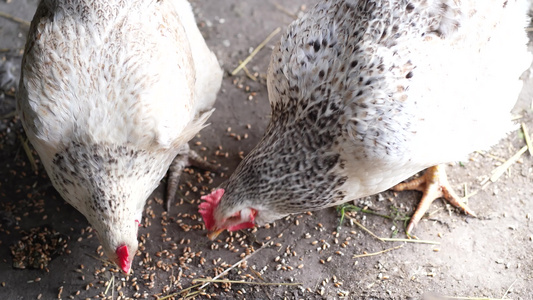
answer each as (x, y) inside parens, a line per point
(110, 90)
(360, 90)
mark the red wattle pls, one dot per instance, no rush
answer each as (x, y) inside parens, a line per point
(241, 226)
(123, 255)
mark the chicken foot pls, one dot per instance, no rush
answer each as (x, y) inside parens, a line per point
(185, 158)
(433, 184)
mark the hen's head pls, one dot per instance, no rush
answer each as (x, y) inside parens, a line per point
(120, 244)
(103, 182)
(217, 220)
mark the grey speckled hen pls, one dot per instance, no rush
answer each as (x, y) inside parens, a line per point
(111, 91)
(366, 93)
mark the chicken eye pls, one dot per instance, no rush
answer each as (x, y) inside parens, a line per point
(235, 217)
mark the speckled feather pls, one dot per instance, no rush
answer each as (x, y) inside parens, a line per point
(360, 90)
(110, 90)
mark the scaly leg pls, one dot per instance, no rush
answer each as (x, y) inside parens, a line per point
(185, 158)
(433, 184)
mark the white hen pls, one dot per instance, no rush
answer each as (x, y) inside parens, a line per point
(366, 93)
(110, 92)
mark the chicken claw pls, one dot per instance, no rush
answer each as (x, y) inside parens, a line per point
(185, 158)
(434, 184)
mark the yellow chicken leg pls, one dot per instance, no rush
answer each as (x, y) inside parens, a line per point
(434, 184)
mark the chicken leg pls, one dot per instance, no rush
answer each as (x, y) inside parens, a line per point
(185, 158)
(434, 184)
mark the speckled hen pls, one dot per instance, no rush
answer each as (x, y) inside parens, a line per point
(365, 94)
(111, 92)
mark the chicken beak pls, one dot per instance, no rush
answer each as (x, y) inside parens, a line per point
(213, 234)
(126, 270)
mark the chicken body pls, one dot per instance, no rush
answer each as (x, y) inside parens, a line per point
(366, 93)
(109, 93)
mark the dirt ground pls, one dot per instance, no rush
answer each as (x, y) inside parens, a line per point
(485, 257)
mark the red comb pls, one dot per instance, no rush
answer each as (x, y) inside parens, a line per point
(123, 258)
(207, 208)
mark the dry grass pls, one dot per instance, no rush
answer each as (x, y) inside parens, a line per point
(256, 50)
(14, 19)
